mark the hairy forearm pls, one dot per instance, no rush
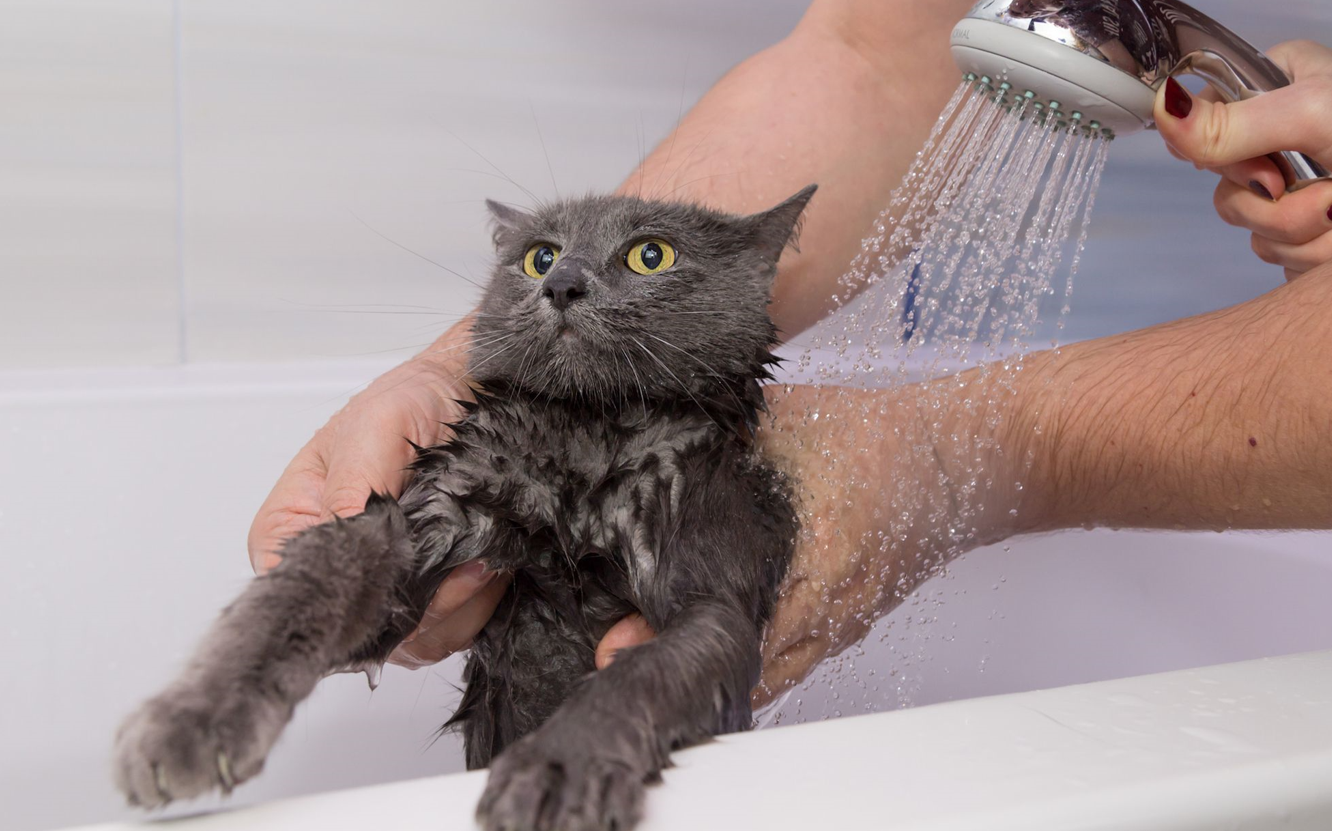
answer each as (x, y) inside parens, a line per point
(845, 102)
(1215, 422)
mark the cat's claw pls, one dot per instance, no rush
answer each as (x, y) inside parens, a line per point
(183, 744)
(538, 788)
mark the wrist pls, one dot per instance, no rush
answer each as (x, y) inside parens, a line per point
(968, 419)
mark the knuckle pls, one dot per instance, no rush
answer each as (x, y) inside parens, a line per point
(1312, 116)
(1225, 205)
(1214, 138)
(345, 500)
(1288, 228)
(1319, 251)
(1263, 248)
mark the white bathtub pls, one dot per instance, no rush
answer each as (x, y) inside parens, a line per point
(123, 512)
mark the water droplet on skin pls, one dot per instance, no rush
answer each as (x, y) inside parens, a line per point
(992, 214)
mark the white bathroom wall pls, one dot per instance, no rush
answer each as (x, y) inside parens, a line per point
(313, 128)
(88, 269)
(220, 180)
(309, 132)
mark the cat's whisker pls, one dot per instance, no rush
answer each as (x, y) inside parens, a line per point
(685, 161)
(714, 373)
(471, 344)
(528, 354)
(638, 382)
(387, 312)
(684, 387)
(389, 239)
(544, 151)
(675, 133)
(471, 370)
(417, 373)
(683, 185)
(384, 306)
(495, 167)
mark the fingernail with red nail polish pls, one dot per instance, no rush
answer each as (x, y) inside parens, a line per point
(1329, 214)
(1178, 102)
(1258, 188)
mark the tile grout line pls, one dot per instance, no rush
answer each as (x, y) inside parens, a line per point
(182, 294)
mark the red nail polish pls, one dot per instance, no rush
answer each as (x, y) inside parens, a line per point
(1258, 188)
(1178, 102)
(1329, 214)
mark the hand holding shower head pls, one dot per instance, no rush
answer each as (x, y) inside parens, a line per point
(1105, 59)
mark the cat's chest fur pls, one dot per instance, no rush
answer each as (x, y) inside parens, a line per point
(526, 480)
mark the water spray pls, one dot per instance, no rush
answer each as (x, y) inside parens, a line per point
(1101, 62)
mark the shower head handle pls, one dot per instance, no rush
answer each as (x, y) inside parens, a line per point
(1111, 56)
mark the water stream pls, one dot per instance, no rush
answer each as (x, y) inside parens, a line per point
(987, 229)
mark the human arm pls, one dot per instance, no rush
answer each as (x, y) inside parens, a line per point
(1222, 421)
(845, 101)
(365, 447)
(1133, 431)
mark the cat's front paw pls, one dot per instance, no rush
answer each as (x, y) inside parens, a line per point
(542, 785)
(186, 742)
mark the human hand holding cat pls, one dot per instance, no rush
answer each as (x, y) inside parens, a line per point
(880, 505)
(365, 448)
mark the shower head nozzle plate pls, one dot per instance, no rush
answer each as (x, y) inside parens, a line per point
(1054, 72)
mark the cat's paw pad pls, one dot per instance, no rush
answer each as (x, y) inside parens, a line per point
(185, 743)
(534, 788)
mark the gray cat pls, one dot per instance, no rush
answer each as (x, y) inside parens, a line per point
(608, 465)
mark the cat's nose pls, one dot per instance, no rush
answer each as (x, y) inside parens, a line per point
(564, 287)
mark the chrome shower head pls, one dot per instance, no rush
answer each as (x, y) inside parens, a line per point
(1105, 59)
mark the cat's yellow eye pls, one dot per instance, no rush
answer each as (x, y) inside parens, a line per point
(540, 260)
(651, 256)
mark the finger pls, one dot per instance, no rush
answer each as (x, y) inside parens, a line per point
(789, 667)
(1215, 135)
(1301, 58)
(1297, 258)
(630, 631)
(1260, 176)
(365, 458)
(1297, 219)
(292, 506)
(465, 601)
(1176, 153)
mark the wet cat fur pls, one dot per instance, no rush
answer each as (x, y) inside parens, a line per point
(608, 466)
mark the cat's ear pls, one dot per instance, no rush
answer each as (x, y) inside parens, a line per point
(506, 218)
(779, 227)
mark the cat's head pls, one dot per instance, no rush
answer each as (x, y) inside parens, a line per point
(617, 299)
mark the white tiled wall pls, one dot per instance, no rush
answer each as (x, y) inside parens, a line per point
(87, 183)
(215, 180)
(310, 131)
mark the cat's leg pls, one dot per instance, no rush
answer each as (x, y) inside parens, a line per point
(337, 597)
(523, 665)
(587, 766)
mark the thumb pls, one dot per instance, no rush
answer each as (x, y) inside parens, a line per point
(1214, 134)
